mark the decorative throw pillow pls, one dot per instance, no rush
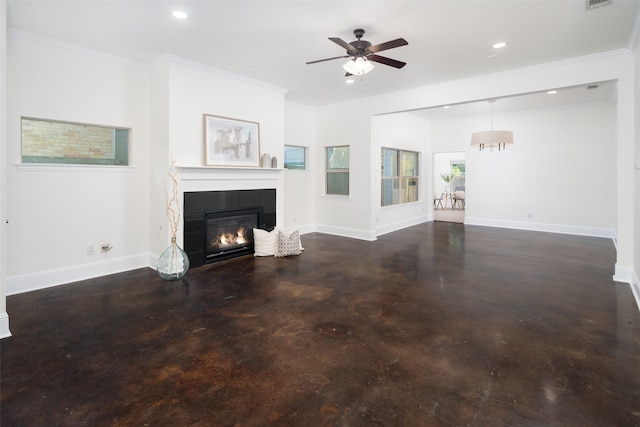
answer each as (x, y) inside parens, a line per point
(288, 243)
(264, 242)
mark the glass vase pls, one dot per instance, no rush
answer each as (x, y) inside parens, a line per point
(173, 263)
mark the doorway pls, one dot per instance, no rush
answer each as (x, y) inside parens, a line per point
(449, 186)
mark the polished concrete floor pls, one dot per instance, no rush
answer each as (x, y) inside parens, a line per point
(440, 324)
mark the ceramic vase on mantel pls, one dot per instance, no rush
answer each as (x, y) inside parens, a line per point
(173, 264)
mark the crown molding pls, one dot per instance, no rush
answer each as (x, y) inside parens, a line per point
(166, 57)
(74, 47)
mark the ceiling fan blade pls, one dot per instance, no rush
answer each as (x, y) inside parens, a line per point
(388, 45)
(349, 48)
(328, 59)
(386, 61)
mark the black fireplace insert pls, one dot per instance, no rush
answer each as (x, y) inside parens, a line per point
(230, 232)
(204, 213)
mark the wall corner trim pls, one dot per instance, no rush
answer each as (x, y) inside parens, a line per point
(410, 222)
(4, 326)
(628, 275)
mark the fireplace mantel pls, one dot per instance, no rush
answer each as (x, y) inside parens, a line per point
(203, 173)
(197, 179)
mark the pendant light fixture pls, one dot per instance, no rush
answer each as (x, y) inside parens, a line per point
(492, 138)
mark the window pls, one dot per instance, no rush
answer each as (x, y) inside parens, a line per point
(48, 141)
(295, 157)
(458, 167)
(337, 170)
(458, 170)
(399, 176)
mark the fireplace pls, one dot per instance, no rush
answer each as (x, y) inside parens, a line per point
(213, 219)
(230, 232)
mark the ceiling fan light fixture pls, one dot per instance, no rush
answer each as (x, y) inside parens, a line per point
(361, 53)
(358, 66)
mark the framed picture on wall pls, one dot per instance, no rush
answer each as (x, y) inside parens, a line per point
(231, 142)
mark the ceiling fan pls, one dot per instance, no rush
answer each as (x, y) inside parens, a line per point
(361, 52)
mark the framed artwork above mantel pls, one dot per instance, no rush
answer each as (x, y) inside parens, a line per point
(231, 142)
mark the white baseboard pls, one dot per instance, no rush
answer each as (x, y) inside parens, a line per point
(306, 229)
(635, 288)
(369, 235)
(45, 279)
(389, 228)
(627, 275)
(4, 325)
(623, 274)
(545, 227)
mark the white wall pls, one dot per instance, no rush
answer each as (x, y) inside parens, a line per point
(52, 80)
(4, 318)
(190, 91)
(159, 132)
(636, 181)
(345, 215)
(359, 215)
(54, 213)
(300, 130)
(348, 122)
(403, 131)
(625, 153)
(196, 90)
(560, 170)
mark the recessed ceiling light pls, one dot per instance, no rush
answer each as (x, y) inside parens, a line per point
(179, 14)
(446, 106)
(552, 92)
(499, 45)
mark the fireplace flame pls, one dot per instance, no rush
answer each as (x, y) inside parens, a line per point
(240, 238)
(237, 238)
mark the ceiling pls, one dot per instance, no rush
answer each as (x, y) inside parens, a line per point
(271, 41)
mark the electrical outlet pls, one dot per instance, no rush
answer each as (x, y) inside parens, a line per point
(105, 247)
(91, 250)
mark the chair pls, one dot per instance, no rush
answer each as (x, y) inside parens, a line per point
(458, 196)
(437, 200)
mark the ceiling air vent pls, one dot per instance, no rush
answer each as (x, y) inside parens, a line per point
(594, 4)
